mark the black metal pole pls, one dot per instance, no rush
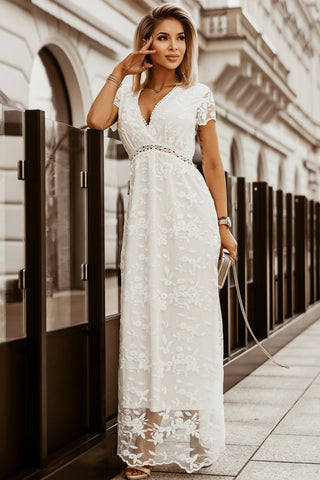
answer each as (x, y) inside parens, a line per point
(317, 251)
(311, 218)
(243, 202)
(96, 277)
(301, 253)
(290, 254)
(272, 258)
(280, 227)
(225, 303)
(261, 254)
(36, 445)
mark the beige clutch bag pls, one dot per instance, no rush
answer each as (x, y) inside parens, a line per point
(224, 264)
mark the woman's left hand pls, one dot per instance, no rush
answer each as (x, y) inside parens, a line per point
(228, 241)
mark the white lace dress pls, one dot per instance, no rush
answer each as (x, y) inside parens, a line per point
(171, 340)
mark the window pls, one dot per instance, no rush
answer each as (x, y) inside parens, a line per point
(48, 90)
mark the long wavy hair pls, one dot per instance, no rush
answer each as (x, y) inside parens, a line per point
(187, 71)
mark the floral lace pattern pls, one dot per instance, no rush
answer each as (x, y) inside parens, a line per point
(171, 340)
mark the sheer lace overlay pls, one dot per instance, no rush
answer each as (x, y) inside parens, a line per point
(171, 340)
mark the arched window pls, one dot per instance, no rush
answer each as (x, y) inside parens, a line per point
(48, 90)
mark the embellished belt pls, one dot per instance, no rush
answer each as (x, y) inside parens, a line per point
(161, 148)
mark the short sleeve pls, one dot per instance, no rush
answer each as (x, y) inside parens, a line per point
(116, 102)
(206, 110)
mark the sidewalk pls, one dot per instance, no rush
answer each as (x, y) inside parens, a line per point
(272, 421)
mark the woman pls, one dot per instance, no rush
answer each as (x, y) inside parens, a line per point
(171, 343)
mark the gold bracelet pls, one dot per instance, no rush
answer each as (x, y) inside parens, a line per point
(115, 76)
(114, 79)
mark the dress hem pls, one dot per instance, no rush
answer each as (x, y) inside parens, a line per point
(202, 465)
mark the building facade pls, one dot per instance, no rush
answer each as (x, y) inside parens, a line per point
(261, 58)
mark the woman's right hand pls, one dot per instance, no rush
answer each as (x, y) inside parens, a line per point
(103, 112)
(135, 61)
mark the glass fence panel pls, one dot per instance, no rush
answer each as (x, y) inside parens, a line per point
(66, 226)
(116, 168)
(12, 226)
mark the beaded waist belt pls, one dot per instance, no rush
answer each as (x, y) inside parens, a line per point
(161, 148)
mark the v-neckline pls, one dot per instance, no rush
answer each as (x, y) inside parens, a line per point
(155, 107)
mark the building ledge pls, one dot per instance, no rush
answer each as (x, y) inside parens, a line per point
(252, 74)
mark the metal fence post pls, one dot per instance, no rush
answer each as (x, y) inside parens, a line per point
(225, 302)
(280, 244)
(301, 254)
(36, 444)
(290, 254)
(312, 264)
(96, 277)
(261, 254)
(317, 251)
(242, 254)
(273, 258)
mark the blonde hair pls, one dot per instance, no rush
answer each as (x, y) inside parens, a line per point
(187, 70)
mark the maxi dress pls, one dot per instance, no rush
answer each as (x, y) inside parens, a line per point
(170, 399)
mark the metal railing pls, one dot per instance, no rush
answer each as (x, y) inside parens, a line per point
(52, 307)
(278, 261)
(62, 214)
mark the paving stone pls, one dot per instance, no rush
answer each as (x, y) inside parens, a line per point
(259, 396)
(314, 328)
(307, 336)
(313, 391)
(258, 470)
(290, 448)
(296, 371)
(311, 332)
(229, 463)
(307, 405)
(306, 342)
(302, 424)
(240, 433)
(303, 418)
(299, 351)
(253, 412)
(275, 382)
(232, 460)
(290, 358)
(317, 380)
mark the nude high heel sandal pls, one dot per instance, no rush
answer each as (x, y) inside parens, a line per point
(146, 472)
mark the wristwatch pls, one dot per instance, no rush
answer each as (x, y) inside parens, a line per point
(225, 221)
